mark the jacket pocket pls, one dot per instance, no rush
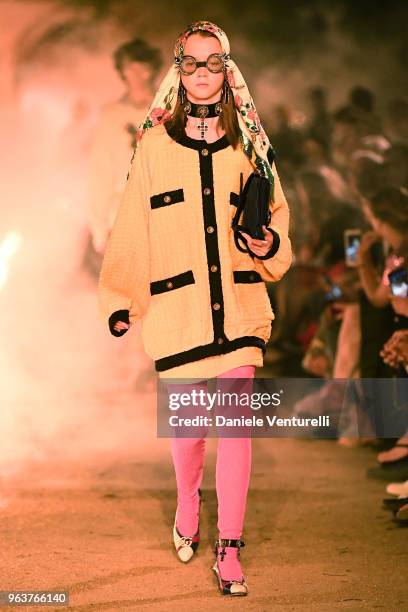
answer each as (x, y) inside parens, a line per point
(252, 295)
(172, 314)
(247, 276)
(172, 282)
(167, 198)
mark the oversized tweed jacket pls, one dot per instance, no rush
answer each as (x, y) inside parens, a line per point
(171, 260)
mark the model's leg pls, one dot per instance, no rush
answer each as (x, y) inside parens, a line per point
(188, 460)
(232, 480)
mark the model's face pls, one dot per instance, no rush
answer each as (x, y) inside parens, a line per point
(136, 76)
(203, 86)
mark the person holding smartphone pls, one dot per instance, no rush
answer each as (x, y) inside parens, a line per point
(387, 212)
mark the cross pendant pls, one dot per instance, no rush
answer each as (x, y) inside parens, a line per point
(203, 127)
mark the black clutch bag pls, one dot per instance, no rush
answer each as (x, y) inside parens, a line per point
(254, 201)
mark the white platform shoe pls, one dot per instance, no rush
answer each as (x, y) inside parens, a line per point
(186, 546)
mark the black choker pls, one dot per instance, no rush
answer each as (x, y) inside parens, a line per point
(203, 111)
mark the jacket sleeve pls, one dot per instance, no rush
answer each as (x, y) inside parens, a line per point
(276, 262)
(124, 280)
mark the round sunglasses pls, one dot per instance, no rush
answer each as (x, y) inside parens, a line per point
(215, 63)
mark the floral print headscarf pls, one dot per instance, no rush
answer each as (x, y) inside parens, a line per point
(254, 140)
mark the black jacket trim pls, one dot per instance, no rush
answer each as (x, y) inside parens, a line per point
(247, 276)
(198, 145)
(234, 199)
(172, 282)
(118, 315)
(167, 198)
(211, 242)
(208, 350)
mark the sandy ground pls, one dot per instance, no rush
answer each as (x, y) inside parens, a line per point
(99, 526)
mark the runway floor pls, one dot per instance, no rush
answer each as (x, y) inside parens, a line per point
(99, 526)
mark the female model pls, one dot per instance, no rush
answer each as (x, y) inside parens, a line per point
(172, 261)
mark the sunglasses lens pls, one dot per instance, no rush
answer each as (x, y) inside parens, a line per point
(188, 65)
(215, 64)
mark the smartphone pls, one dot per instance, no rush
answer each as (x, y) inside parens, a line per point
(352, 240)
(399, 282)
(334, 294)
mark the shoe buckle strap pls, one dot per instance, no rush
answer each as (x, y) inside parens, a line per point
(223, 542)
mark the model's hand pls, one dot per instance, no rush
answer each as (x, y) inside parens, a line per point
(119, 325)
(260, 247)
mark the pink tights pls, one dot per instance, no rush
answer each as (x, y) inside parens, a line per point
(233, 471)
